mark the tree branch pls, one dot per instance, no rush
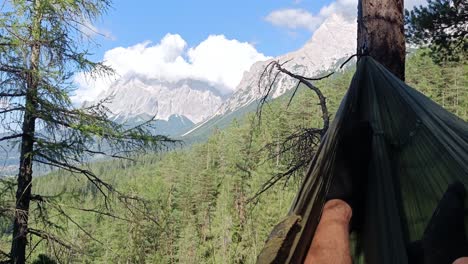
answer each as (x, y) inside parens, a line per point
(50, 237)
(321, 97)
(11, 110)
(299, 146)
(10, 137)
(12, 94)
(96, 181)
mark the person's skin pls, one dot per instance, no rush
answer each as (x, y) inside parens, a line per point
(331, 240)
(463, 260)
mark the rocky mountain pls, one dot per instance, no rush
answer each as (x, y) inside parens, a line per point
(332, 43)
(175, 125)
(136, 96)
(334, 40)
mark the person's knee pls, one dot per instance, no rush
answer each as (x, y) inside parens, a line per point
(331, 240)
(337, 210)
(463, 260)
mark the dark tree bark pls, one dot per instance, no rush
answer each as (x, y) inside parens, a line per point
(23, 192)
(381, 33)
(42, 51)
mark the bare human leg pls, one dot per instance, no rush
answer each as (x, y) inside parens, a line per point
(463, 260)
(331, 240)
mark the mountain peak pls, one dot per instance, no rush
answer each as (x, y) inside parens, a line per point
(137, 95)
(334, 40)
(337, 27)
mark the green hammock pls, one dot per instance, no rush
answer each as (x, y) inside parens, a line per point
(418, 149)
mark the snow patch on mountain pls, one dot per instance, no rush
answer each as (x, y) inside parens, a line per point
(136, 95)
(334, 40)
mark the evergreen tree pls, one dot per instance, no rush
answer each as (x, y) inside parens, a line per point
(442, 25)
(198, 202)
(42, 47)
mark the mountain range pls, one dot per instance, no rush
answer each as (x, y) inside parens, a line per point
(190, 109)
(331, 44)
(185, 106)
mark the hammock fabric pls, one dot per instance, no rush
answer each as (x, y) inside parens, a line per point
(417, 150)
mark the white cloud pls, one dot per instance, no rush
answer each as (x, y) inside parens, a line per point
(346, 8)
(294, 18)
(219, 60)
(223, 61)
(410, 4)
(301, 19)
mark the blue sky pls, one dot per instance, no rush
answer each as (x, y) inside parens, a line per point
(131, 22)
(209, 40)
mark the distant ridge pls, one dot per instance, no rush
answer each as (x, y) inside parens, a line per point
(331, 44)
(135, 96)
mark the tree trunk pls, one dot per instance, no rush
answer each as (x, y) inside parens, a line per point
(381, 33)
(23, 192)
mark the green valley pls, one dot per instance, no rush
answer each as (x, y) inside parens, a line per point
(193, 203)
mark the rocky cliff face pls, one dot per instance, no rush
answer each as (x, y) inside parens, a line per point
(135, 96)
(331, 43)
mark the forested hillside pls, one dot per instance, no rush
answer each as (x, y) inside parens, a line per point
(196, 201)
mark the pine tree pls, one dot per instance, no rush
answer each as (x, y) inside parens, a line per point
(442, 26)
(42, 47)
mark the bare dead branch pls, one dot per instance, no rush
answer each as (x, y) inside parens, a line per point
(300, 144)
(60, 210)
(132, 208)
(12, 94)
(11, 69)
(349, 59)
(318, 78)
(8, 110)
(306, 81)
(273, 180)
(10, 137)
(99, 212)
(49, 237)
(294, 93)
(4, 254)
(96, 181)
